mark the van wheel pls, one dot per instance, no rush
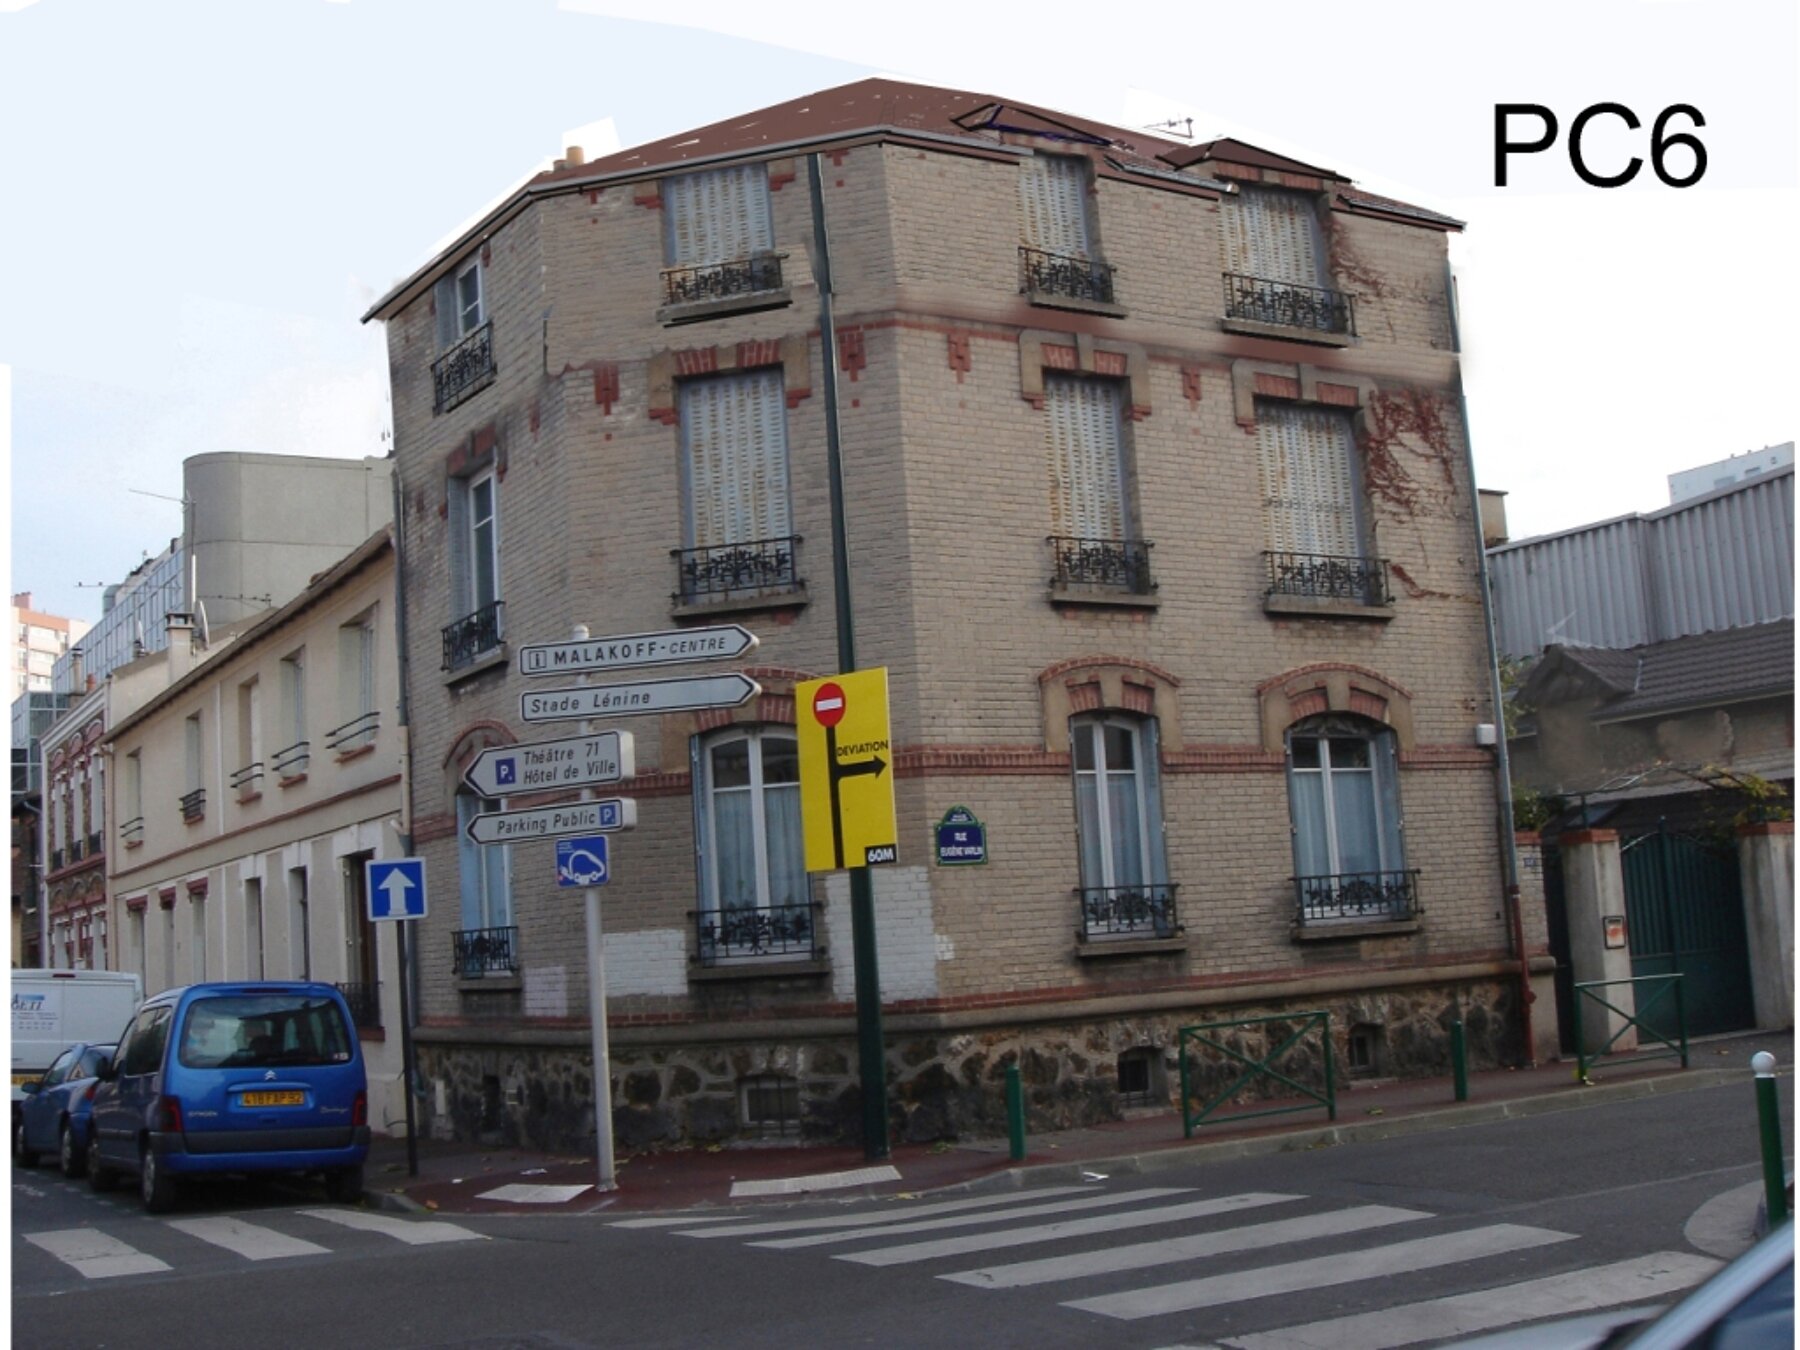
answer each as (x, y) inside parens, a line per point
(100, 1176)
(70, 1153)
(344, 1184)
(156, 1184)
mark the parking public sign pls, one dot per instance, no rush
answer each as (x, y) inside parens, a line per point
(396, 888)
(846, 771)
(553, 822)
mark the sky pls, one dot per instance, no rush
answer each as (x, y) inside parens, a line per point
(200, 198)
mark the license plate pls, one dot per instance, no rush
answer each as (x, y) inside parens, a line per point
(274, 1099)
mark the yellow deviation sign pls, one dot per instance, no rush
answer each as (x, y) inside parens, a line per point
(846, 771)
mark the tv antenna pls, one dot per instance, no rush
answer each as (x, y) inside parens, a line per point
(1180, 126)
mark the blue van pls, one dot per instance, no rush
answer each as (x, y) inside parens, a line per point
(249, 1077)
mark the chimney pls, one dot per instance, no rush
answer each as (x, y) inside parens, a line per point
(76, 679)
(180, 628)
(575, 156)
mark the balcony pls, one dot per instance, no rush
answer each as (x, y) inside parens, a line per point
(365, 1004)
(193, 806)
(1143, 911)
(1380, 897)
(1264, 305)
(291, 762)
(356, 734)
(1322, 576)
(93, 844)
(1115, 571)
(744, 283)
(77, 849)
(474, 635)
(463, 371)
(247, 781)
(483, 952)
(56, 859)
(728, 574)
(1066, 282)
(131, 833)
(752, 933)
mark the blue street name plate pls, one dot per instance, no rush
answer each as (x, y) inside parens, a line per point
(582, 861)
(961, 839)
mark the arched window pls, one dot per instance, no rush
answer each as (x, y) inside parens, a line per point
(754, 895)
(1343, 795)
(1118, 810)
(485, 943)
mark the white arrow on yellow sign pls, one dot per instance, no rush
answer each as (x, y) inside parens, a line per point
(846, 771)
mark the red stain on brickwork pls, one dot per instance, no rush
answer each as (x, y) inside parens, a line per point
(533, 419)
(606, 387)
(649, 196)
(1406, 421)
(853, 355)
(958, 351)
(1418, 592)
(777, 181)
(667, 416)
(1276, 386)
(1190, 384)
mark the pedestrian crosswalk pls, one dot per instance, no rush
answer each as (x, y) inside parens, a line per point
(1241, 1258)
(155, 1247)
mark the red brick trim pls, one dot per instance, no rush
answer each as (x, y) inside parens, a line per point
(165, 899)
(1287, 675)
(1276, 386)
(1756, 828)
(1222, 759)
(473, 739)
(853, 352)
(1190, 383)
(954, 761)
(1527, 838)
(1061, 668)
(429, 829)
(1571, 837)
(1446, 757)
(137, 904)
(606, 386)
(957, 351)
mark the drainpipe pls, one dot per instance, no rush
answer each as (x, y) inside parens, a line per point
(1509, 854)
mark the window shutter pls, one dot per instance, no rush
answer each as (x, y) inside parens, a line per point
(736, 434)
(457, 499)
(1275, 236)
(1308, 483)
(718, 216)
(1053, 195)
(1087, 497)
(443, 302)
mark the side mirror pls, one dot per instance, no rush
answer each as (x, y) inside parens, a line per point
(31, 1088)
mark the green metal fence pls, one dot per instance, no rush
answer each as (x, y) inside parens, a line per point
(1646, 1015)
(1210, 1036)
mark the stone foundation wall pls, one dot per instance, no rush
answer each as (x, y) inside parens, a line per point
(945, 1085)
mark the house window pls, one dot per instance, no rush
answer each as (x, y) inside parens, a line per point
(465, 339)
(193, 799)
(1343, 796)
(474, 569)
(485, 944)
(770, 1104)
(1057, 255)
(356, 687)
(247, 779)
(720, 237)
(755, 900)
(255, 961)
(1090, 525)
(1118, 808)
(738, 535)
(1312, 509)
(197, 928)
(300, 930)
(458, 301)
(291, 759)
(1275, 263)
(359, 986)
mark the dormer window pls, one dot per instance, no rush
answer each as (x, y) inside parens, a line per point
(1058, 256)
(1276, 275)
(720, 243)
(465, 338)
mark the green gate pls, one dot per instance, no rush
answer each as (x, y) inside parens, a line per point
(1685, 916)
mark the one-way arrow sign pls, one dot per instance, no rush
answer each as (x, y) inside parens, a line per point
(673, 647)
(396, 888)
(680, 694)
(573, 761)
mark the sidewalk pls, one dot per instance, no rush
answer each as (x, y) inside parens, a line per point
(458, 1178)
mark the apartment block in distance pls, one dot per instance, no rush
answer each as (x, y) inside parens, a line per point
(1159, 517)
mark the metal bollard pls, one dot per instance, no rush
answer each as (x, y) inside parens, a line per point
(1015, 1113)
(1768, 1111)
(1459, 1060)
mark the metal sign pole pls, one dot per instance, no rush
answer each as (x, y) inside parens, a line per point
(596, 957)
(408, 1067)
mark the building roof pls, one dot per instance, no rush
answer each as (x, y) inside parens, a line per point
(1728, 666)
(884, 109)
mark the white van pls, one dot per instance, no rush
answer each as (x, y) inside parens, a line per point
(53, 1009)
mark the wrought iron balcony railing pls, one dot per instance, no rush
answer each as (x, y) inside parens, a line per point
(1390, 896)
(474, 635)
(1328, 577)
(1113, 564)
(291, 761)
(364, 999)
(354, 734)
(193, 805)
(1059, 274)
(132, 831)
(728, 571)
(464, 370)
(722, 281)
(56, 858)
(93, 843)
(754, 932)
(1288, 305)
(1128, 911)
(485, 951)
(248, 779)
(77, 849)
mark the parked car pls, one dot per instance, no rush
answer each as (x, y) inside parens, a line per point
(54, 1114)
(217, 1078)
(54, 1009)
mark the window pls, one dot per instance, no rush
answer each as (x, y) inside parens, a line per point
(356, 687)
(1344, 800)
(738, 534)
(1118, 809)
(300, 932)
(1053, 193)
(197, 928)
(248, 777)
(464, 336)
(770, 1104)
(360, 949)
(459, 303)
(474, 569)
(291, 760)
(1275, 263)
(720, 237)
(254, 957)
(1091, 534)
(1312, 507)
(755, 900)
(486, 880)
(193, 800)
(141, 1051)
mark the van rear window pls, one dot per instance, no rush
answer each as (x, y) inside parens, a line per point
(243, 1030)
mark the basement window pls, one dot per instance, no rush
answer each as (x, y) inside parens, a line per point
(770, 1105)
(1138, 1077)
(1363, 1052)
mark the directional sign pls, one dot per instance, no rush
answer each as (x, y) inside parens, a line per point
(678, 694)
(676, 647)
(846, 771)
(550, 822)
(574, 761)
(396, 888)
(582, 861)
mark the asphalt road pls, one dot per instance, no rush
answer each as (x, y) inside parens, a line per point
(1402, 1241)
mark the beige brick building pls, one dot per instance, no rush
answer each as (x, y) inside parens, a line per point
(1158, 514)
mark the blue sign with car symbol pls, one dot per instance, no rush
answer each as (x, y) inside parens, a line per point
(582, 861)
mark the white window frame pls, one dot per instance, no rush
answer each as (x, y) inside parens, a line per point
(485, 871)
(1383, 771)
(475, 536)
(1102, 857)
(706, 794)
(460, 299)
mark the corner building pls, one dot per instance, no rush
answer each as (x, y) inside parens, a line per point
(1159, 516)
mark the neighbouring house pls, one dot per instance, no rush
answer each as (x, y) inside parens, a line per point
(1158, 514)
(251, 781)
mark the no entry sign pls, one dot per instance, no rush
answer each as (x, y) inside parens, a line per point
(828, 705)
